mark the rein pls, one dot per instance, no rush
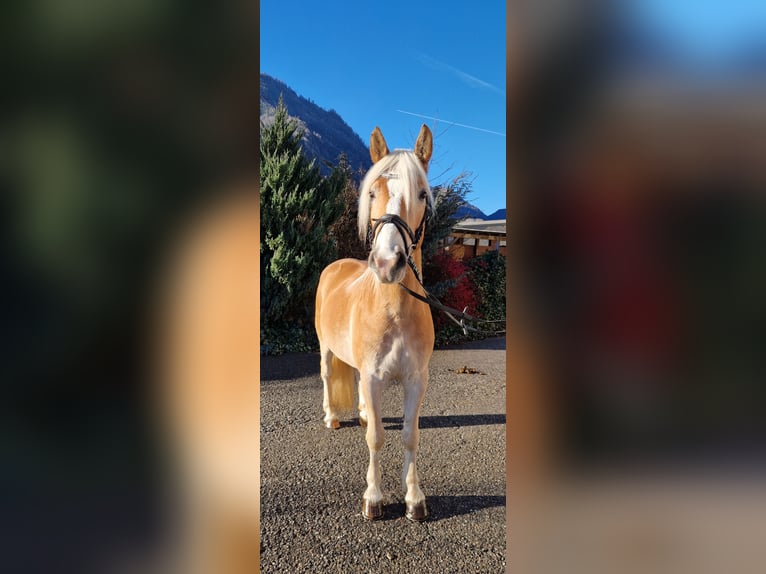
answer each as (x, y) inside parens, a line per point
(406, 232)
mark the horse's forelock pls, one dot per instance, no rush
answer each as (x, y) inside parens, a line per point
(406, 167)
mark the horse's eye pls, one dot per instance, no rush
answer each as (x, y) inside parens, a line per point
(423, 195)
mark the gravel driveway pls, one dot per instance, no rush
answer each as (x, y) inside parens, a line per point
(312, 479)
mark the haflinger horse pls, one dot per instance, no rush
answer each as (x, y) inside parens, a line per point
(371, 330)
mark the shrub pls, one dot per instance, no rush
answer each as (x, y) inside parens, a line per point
(449, 280)
(488, 276)
(478, 284)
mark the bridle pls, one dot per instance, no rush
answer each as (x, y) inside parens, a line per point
(405, 231)
(414, 239)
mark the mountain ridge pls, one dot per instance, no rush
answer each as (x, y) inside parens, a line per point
(325, 135)
(470, 211)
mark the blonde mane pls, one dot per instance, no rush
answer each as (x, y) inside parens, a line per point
(405, 166)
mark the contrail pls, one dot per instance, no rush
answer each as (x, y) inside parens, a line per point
(472, 81)
(451, 123)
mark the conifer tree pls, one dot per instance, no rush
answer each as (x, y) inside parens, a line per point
(297, 207)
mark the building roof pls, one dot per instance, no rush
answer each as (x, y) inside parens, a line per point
(480, 227)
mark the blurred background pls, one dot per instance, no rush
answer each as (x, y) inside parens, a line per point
(639, 146)
(636, 184)
(119, 120)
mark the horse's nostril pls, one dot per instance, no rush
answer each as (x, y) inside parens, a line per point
(400, 259)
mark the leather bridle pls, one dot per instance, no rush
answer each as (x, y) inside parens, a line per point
(407, 234)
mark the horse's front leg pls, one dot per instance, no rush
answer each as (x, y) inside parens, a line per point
(414, 498)
(362, 406)
(371, 391)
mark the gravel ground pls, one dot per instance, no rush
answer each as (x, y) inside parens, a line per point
(312, 479)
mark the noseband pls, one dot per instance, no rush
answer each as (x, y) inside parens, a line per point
(402, 227)
(404, 230)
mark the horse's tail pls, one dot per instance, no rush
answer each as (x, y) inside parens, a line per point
(341, 385)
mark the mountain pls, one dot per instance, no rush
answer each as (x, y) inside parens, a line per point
(326, 135)
(499, 214)
(468, 211)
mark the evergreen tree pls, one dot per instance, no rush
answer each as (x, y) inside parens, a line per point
(297, 207)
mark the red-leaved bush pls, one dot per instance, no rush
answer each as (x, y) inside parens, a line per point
(450, 281)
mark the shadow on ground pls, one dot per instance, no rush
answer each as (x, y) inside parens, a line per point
(491, 344)
(443, 507)
(448, 421)
(295, 365)
(289, 366)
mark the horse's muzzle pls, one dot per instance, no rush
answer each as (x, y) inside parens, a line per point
(388, 268)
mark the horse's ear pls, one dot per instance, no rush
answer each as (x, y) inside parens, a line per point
(424, 146)
(378, 147)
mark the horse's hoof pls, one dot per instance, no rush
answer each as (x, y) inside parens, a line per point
(416, 512)
(362, 422)
(332, 424)
(372, 511)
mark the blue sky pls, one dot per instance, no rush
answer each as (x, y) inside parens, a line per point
(373, 61)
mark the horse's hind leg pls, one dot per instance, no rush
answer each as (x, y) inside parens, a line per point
(414, 498)
(330, 417)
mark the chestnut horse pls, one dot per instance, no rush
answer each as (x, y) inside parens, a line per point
(369, 328)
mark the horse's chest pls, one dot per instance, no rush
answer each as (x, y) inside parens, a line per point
(391, 346)
(397, 361)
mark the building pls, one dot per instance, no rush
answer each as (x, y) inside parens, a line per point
(473, 237)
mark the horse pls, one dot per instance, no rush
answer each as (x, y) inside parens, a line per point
(370, 330)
